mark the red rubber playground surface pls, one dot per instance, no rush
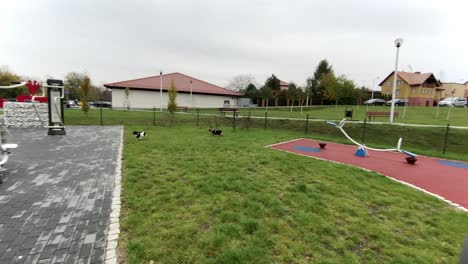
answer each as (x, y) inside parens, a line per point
(444, 179)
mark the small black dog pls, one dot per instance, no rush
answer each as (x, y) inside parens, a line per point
(216, 131)
(139, 134)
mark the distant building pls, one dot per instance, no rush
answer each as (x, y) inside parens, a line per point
(421, 89)
(283, 85)
(466, 90)
(191, 92)
(455, 90)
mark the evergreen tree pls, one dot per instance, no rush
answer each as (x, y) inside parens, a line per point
(274, 84)
(251, 92)
(315, 87)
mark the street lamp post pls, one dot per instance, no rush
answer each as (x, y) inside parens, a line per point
(160, 91)
(398, 43)
(191, 99)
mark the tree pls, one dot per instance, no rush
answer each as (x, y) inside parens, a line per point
(274, 84)
(172, 104)
(6, 79)
(106, 95)
(338, 88)
(315, 88)
(300, 95)
(127, 97)
(240, 82)
(291, 94)
(73, 82)
(85, 89)
(251, 92)
(265, 94)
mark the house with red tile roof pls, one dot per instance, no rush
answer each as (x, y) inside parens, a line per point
(283, 85)
(191, 92)
(421, 89)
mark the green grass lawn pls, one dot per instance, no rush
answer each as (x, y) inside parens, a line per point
(190, 197)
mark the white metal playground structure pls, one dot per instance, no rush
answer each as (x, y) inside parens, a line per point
(362, 149)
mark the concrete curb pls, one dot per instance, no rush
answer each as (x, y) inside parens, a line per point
(114, 226)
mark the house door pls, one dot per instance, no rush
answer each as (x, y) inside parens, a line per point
(427, 103)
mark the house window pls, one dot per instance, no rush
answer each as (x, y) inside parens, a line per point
(398, 92)
(398, 82)
(389, 84)
(226, 102)
(388, 92)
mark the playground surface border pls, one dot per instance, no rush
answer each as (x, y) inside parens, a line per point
(433, 176)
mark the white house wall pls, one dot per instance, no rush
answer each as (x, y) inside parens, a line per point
(150, 99)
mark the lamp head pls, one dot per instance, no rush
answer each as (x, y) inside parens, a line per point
(398, 42)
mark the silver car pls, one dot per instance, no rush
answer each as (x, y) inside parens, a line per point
(453, 101)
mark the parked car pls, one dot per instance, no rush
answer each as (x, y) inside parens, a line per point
(374, 102)
(459, 102)
(401, 102)
(453, 101)
(102, 104)
(71, 104)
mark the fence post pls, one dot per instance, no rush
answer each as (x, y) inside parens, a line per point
(154, 115)
(266, 116)
(364, 131)
(234, 120)
(446, 138)
(307, 124)
(100, 115)
(248, 121)
(198, 117)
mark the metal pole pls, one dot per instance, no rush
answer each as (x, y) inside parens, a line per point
(364, 131)
(265, 125)
(395, 75)
(234, 120)
(191, 100)
(307, 124)
(154, 115)
(100, 115)
(448, 113)
(404, 109)
(446, 138)
(160, 91)
(198, 117)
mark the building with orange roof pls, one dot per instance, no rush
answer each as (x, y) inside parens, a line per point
(420, 89)
(452, 89)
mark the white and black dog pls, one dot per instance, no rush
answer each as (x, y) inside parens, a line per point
(215, 131)
(139, 134)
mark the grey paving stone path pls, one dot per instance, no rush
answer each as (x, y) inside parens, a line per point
(55, 201)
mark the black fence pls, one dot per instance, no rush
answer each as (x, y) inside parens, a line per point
(432, 140)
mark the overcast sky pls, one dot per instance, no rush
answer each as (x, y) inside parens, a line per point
(215, 40)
